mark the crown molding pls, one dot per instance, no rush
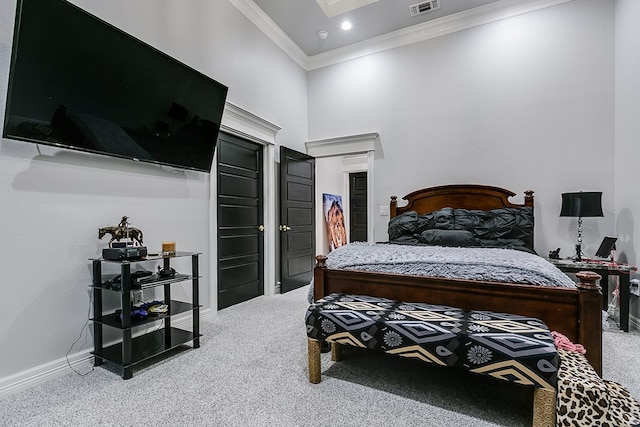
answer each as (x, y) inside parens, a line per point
(260, 19)
(492, 12)
(342, 145)
(240, 122)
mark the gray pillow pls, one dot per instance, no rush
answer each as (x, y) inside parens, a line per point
(403, 225)
(462, 238)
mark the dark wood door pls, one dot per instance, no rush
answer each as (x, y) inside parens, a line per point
(297, 219)
(358, 207)
(240, 220)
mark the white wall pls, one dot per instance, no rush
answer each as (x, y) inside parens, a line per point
(522, 103)
(53, 201)
(627, 151)
(330, 180)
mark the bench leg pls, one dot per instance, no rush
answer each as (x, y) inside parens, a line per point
(313, 347)
(544, 407)
(336, 352)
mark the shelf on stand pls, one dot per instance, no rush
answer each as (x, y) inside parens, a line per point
(175, 307)
(146, 346)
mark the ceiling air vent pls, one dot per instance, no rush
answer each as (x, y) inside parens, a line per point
(424, 7)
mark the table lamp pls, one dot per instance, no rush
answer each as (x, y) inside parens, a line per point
(581, 204)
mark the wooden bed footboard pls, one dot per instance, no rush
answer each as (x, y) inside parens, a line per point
(574, 312)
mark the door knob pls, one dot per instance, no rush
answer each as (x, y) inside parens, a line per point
(285, 228)
(261, 227)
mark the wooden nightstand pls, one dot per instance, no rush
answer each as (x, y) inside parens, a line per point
(604, 269)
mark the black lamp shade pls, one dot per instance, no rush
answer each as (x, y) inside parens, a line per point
(582, 204)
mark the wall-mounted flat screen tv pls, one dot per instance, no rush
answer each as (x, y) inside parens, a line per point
(80, 83)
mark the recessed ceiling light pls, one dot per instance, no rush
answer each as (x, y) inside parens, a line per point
(346, 25)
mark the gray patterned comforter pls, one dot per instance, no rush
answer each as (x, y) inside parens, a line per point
(489, 264)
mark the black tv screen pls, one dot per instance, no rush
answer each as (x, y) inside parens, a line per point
(78, 82)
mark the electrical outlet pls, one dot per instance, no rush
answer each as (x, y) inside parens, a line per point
(384, 210)
(137, 297)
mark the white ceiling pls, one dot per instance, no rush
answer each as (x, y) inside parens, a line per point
(377, 24)
(302, 19)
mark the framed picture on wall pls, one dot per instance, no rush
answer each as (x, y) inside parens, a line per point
(334, 218)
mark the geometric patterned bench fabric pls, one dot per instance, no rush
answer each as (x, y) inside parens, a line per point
(505, 346)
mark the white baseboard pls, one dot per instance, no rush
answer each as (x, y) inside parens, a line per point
(80, 361)
(39, 374)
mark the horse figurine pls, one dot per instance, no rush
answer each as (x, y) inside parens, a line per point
(117, 233)
(122, 231)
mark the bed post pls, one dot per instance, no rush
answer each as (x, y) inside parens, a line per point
(318, 277)
(393, 207)
(528, 198)
(590, 312)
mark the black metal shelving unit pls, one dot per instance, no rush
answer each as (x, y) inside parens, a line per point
(133, 350)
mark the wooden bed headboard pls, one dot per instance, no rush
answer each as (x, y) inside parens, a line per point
(458, 196)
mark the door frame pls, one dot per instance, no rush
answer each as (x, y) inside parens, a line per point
(358, 154)
(243, 124)
(352, 164)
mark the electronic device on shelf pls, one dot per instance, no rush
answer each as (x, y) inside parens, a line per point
(164, 273)
(136, 279)
(129, 253)
(608, 244)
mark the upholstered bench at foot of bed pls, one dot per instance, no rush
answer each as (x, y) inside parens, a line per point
(505, 346)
